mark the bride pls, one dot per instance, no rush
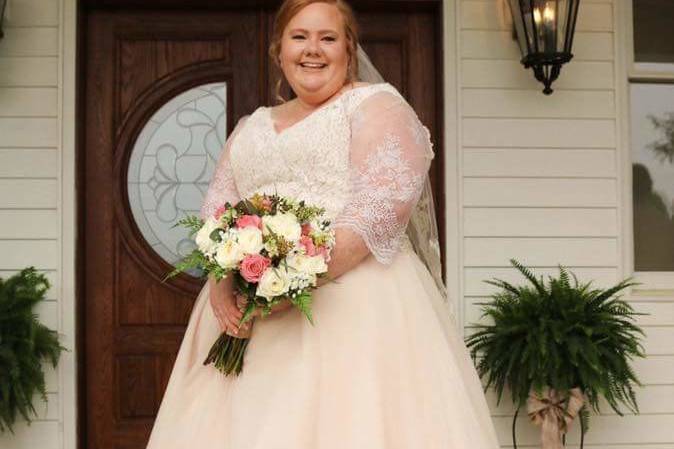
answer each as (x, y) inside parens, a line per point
(383, 367)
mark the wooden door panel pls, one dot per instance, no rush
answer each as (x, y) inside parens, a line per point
(136, 61)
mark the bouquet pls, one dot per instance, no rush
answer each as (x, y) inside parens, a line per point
(274, 247)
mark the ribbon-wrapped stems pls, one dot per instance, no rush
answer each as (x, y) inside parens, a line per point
(554, 412)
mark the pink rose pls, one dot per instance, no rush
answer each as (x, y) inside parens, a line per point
(252, 267)
(306, 229)
(249, 220)
(308, 245)
(219, 211)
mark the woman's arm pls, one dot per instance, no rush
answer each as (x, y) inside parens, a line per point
(349, 251)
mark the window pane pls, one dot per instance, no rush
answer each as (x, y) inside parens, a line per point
(171, 165)
(653, 25)
(652, 130)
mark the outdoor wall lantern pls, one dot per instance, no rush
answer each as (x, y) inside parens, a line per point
(3, 4)
(544, 30)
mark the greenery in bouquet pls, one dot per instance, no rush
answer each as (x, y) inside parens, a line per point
(274, 247)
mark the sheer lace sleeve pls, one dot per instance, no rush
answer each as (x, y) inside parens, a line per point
(222, 187)
(390, 154)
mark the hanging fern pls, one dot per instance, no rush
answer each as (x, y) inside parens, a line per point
(560, 335)
(24, 344)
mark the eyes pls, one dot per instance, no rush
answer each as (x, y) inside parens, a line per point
(299, 37)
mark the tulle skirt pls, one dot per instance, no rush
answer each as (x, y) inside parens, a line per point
(382, 368)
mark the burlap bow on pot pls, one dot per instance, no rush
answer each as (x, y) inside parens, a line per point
(548, 411)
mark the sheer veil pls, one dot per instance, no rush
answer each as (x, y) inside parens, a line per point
(422, 229)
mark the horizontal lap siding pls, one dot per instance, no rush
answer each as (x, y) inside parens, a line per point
(30, 215)
(540, 184)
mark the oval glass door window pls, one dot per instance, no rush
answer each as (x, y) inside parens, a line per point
(172, 163)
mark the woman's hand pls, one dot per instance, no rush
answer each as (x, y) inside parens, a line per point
(224, 305)
(278, 307)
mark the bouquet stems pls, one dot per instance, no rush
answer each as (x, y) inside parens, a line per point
(227, 354)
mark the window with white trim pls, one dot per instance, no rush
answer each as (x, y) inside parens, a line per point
(651, 98)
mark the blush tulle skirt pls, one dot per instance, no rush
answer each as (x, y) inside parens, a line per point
(380, 369)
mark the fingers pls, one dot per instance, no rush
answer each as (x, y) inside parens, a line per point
(226, 320)
(232, 309)
(231, 323)
(241, 301)
(228, 311)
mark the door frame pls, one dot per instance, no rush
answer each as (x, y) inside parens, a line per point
(72, 45)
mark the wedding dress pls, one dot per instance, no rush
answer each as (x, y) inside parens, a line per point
(378, 370)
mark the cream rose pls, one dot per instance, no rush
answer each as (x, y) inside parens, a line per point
(203, 239)
(317, 264)
(284, 224)
(274, 282)
(250, 240)
(307, 264)
(229, 254)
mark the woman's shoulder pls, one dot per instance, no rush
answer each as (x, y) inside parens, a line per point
(364, 89)
(372, 97)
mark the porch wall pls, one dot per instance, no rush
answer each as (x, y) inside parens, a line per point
(32, 209)
(542, 181)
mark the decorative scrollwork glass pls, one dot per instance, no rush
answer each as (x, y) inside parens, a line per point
(171, 165)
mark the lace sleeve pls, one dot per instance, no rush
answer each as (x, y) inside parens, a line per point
(390, 154)
(222, 187)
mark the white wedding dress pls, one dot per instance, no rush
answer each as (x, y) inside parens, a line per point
(380, 369)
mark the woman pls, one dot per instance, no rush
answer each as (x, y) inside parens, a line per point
(378, 370)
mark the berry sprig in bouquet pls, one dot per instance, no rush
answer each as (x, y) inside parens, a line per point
(273, 246)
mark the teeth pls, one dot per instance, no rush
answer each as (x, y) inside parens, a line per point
(312, 65)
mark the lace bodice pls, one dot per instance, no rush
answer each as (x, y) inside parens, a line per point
(362, 157)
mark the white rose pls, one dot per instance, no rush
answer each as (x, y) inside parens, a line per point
(250, 240)
(317, 264)
(307, 264)
(274, 282)
(298, 262)
(284, 224)
(229, 254)
(203, 239)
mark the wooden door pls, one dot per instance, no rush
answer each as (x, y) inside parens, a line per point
(135, 63)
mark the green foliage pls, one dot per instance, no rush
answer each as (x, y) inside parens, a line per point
(24, 344)
(303, 302)
(197, 261)
(561, 335)
(191, 222)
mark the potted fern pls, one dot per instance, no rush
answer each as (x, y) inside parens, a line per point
(558, 347)
(24, 344)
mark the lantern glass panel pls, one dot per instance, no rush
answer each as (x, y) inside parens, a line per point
(542, 26)
(520, 27)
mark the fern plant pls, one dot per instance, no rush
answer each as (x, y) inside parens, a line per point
(24, 344)
(559, 335)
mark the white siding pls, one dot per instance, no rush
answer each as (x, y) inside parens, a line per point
(30, 211)
(540, 181)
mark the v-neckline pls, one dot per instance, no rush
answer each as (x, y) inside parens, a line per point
(272, 123)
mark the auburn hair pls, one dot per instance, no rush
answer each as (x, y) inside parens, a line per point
(288, 10)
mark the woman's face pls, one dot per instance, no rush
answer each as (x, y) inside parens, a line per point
(314, 56)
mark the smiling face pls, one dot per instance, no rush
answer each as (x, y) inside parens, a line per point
(314, 56)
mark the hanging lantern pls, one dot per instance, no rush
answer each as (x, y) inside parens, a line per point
(544, 30)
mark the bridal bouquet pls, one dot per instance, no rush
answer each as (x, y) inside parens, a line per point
(274, 247)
